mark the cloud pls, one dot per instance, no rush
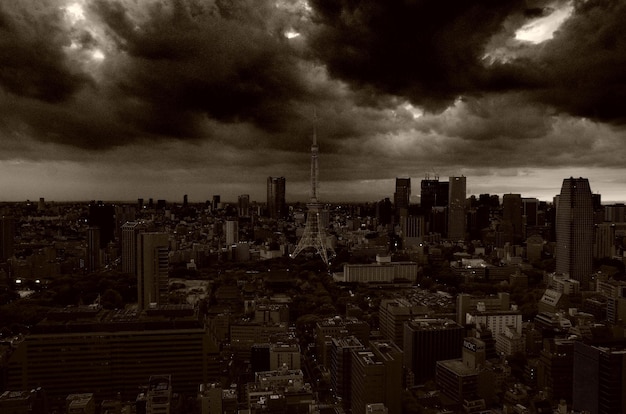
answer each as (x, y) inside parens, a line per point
(31, 51)
(429, 52)
(584, 62)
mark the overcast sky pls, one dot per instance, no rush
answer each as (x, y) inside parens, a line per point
(121, 99)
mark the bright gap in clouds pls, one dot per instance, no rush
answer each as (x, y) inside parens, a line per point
(543, 28)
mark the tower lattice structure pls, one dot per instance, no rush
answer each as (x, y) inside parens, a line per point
(314, 235)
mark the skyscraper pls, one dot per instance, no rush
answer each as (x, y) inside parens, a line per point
(599, 377)
(402, 196)
(243, 205)
(434, 193)
(512, 214)
(93, 248)
(152, 269)
(276, 205)
(103, 216)
(130, 230)
(456, 208)
(574, 230)
(232, 232)
(428, 340)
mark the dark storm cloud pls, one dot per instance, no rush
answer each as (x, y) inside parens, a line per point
(229, 61)
(430, 52)
(32, 62)
(583, 65)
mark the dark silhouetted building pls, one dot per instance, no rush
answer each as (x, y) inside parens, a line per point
(456, 208)
(86, 349)
(574, 231)
(93, 248)
(377, 377)
(276, 204)
(600, 377)
(243, 205)
(512, 214)
(402, 196)
(428, 340)
(103, 216)
(7, 234)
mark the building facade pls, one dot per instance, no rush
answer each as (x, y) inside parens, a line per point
(276, 204)
(456, 208)
(574, 231)
(152, 269)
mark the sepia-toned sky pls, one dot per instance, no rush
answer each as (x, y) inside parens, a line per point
(121, 99)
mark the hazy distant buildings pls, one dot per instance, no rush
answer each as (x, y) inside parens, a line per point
(152, 269)
(231, 230)
(276, 204)
(456, 208)
(574, 231)
(243, 205)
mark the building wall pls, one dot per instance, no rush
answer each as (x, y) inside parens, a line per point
(152, 269)
(427, 341)
(106, 362)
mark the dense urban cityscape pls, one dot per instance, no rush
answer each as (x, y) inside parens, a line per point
(480, 304)
(458, 249)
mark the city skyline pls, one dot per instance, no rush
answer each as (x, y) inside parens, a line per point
(118, 100)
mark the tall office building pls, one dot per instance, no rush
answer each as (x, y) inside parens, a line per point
(377, 377)
(402, 196)
(276, 204)
(243, 205)
(341, 365)
(512, 215)
(93, 248)
(152, 269)
(600, 377)
(574, 231)
(434, 193)
(231, 229)
(456, 208)
(428, 340)
(217, 202)
(103, 216)
(7, 238)
(130, 231)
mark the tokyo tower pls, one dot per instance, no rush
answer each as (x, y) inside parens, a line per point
(314, 235)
